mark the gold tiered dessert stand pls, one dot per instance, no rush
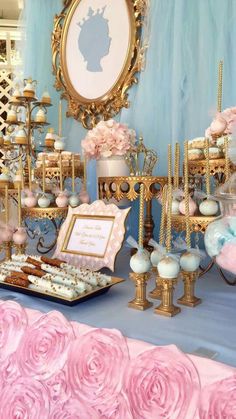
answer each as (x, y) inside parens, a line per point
(217, 168)
(121, 187)
(12, 153)
(54, 172)
(54, 215)
(199, 223)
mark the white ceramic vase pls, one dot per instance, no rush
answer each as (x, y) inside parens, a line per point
(113, 166)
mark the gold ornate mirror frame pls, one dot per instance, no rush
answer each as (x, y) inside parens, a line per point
(90, 111)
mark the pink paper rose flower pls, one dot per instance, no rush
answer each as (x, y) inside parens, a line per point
(73, 409)
(13, 324)
(96, 363)
(43, 349)
(24, 399)
(219, 400)
(162, 383)
(108, 138)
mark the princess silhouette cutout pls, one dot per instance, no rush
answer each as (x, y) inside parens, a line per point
(94, 40)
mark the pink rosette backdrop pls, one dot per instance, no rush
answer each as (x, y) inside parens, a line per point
(58, 369)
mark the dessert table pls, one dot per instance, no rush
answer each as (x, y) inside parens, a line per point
(210, 325)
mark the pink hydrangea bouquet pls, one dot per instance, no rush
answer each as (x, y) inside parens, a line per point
(108, 138)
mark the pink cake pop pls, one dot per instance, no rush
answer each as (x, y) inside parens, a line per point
(20, 236)
(62, 200)
(84, 196)
(6, 234)
(192, 207)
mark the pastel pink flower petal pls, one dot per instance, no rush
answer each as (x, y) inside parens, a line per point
(9, 370)
(24, 399)
(219, 400)
(117, 408)
(44, 346)
(96, 364)
(13, 324)
(74, 409)
(162, 383)
(58, 387)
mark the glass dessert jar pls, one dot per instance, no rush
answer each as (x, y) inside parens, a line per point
(220, 235)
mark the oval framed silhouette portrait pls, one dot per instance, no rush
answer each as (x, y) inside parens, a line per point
(97, 51)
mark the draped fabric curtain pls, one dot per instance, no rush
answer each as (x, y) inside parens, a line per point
(176, 96)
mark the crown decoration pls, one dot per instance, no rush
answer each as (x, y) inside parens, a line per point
(92, 15)
(141, 160)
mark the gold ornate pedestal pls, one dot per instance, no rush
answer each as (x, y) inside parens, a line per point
(189, 299)
(140, 302)
(121, 187)
(51, 213)
(54, 214)
(198, 223)
(156, 293)
(217, 167)
(167, 308)
(54, 172)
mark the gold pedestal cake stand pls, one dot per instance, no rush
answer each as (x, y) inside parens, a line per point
(121, 187)
(54, 215)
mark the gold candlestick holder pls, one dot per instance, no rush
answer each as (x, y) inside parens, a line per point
(140, 302)
(156, 293)
(167, 308)
(189, 299)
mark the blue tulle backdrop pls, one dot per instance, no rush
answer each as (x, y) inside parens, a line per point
(176, 95)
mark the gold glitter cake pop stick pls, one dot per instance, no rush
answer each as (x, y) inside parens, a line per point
(208, 178)
(186, 194)
(176, 170)
(163, 216)
(141, 215)
(220, 86)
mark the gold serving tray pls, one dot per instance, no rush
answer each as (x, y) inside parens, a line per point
(62, 300)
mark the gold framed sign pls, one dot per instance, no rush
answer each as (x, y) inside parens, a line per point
(92, 235)
(88, 235)
(96, 50)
